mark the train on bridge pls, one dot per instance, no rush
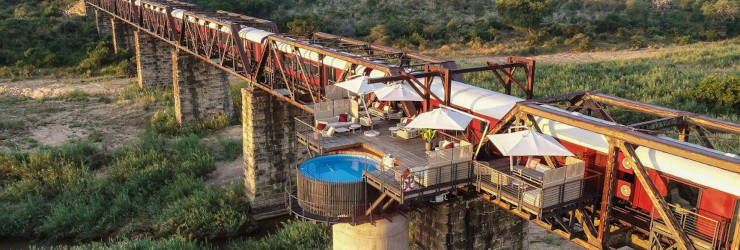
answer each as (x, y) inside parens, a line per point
(665, 177)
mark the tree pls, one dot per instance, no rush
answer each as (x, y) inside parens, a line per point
(525, 14)
(304, 25)
(378, 34)
(721, 92)
(722, 10)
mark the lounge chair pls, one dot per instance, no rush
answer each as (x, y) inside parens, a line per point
(367, 122)
(408, 133)
(329, 132)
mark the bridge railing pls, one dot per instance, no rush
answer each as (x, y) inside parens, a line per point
(703, 231)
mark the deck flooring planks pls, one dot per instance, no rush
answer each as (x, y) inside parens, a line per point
(407, 152)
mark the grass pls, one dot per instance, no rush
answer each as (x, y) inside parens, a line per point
(236, 98)
(295, 235)
(165, 122)
(11, 124)
(228, 149)
(678, 79)
(664, 80)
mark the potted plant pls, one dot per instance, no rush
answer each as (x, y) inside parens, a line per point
(428, 135)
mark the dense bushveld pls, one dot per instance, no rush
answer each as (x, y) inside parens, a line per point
(699, 78)
(37, 35)
(150, 194)
(541, 25)
(154, 187)
(294, 235)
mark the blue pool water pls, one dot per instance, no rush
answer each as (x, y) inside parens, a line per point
(337, 168)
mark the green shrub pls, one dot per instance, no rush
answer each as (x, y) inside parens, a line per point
(165, 122)
(175, 242)
(74, 96)
(217, 122)
(294, 235)
(720, 92)
(236, 99)
(209, 212)
(11, 124)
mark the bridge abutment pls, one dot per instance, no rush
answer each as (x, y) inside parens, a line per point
(468, 224)
(153, 61)
(271, 151)
(123, 35)
(201, 89)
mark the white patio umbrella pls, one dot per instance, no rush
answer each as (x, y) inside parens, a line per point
(441, 118)
(528, 143)
(360, 86)
(397, 92)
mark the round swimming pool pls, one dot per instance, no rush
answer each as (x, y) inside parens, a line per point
(331, 186)
(337, 168)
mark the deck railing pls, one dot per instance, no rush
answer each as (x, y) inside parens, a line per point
(443, 170)
(542, 201)
(308, 134)
(703, 231)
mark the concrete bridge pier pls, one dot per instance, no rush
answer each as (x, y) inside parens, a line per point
(468, 224)
(386, 234)
(103, 22)
(153, 61)
(271, 151)
(201, 89)
(123, 35)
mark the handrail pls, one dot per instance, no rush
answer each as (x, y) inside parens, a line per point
(698, 226)
(530, 197)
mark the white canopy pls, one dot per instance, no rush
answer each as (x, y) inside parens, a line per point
(441, 118)
(398, 92)
(359, 85)
(528, 143)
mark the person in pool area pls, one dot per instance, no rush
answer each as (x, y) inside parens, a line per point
(408, 180)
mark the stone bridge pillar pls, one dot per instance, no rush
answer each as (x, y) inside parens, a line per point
(468, 224)
(123, 35)
(103, 22)
(201, 89)
(271, 151)
(153, 61)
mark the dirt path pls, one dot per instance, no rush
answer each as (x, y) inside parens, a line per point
(47, 88)
(568, 57)
(227, 171)
(584, 57)
(41, 120)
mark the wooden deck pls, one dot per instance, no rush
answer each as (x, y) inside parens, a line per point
(408, 153)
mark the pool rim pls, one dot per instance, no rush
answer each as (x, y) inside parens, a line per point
(358, 154)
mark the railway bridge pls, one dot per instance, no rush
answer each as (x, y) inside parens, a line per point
(659, 179)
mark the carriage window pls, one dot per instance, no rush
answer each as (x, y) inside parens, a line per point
(315, 70)
(286, 62)
(681, 194)
(331, 74)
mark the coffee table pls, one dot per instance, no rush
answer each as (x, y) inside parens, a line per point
(393, 131)
(354, 127)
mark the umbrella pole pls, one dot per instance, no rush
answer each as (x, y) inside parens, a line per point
(480, 143)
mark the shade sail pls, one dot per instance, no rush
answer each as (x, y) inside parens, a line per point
(528, 143)
(441, 118)
(359, 85)
(398, 92)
